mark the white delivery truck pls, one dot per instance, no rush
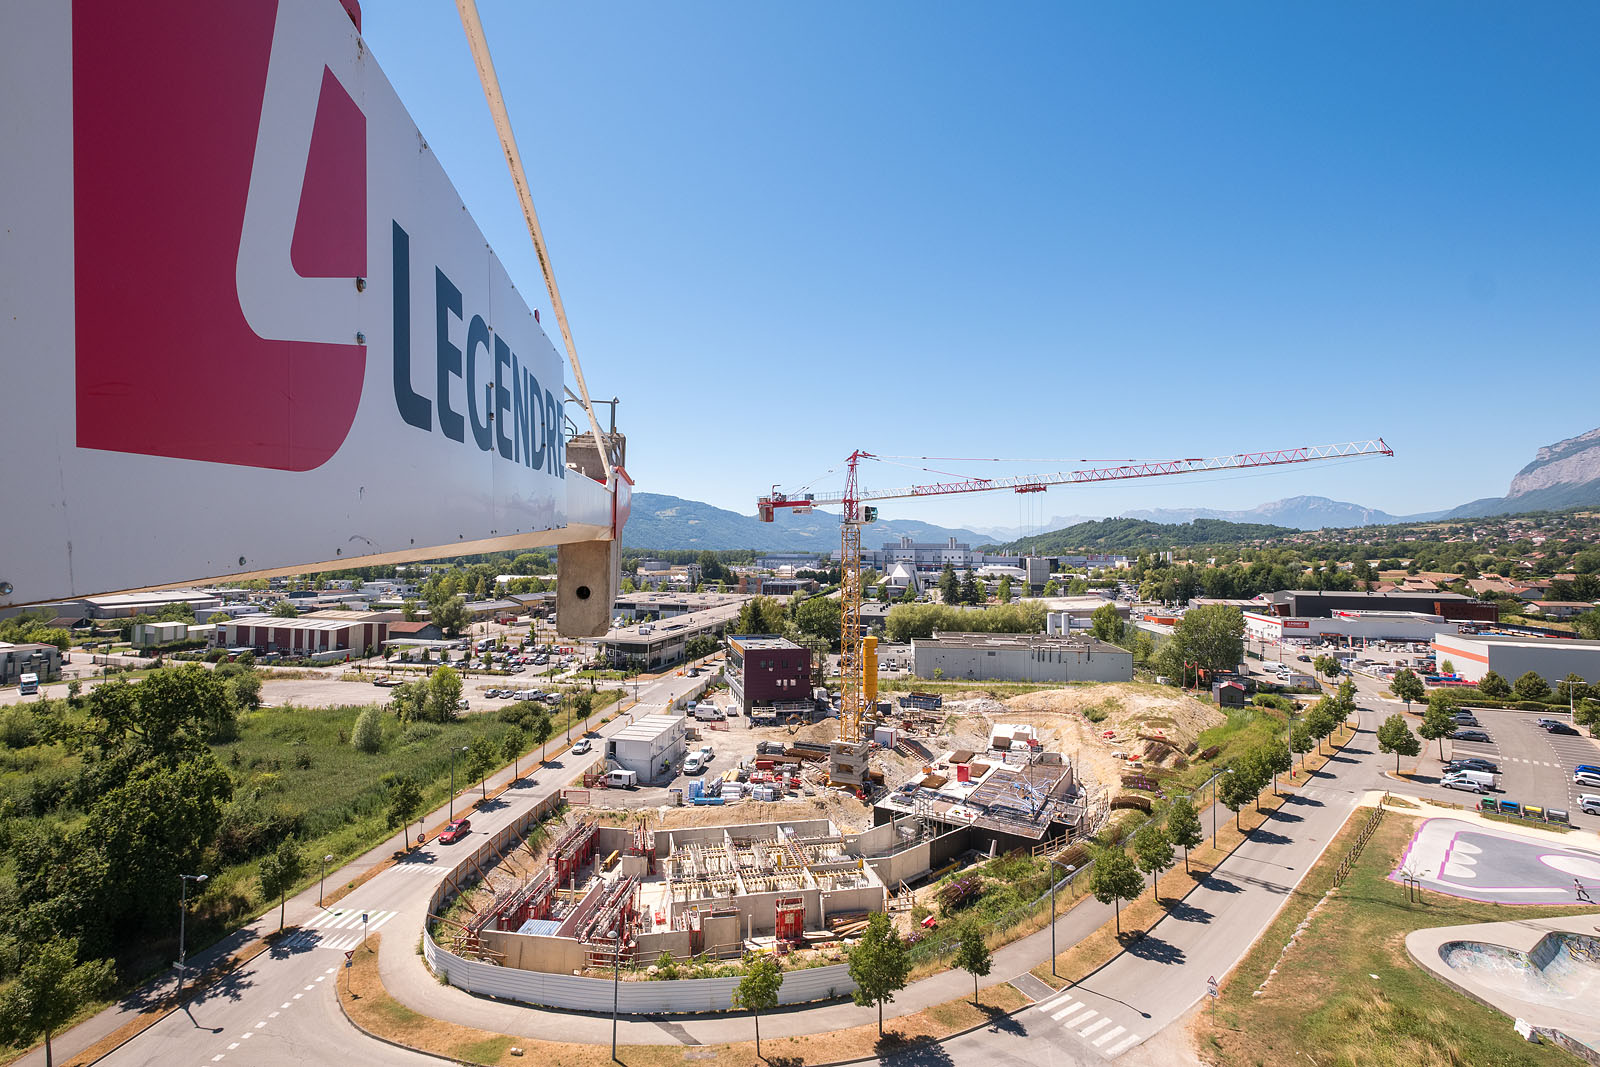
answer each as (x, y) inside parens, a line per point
(708, 713)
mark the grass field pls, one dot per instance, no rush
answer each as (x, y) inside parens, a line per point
(1347, 993)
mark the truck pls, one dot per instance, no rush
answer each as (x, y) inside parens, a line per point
(1471, 781)
(29, 683)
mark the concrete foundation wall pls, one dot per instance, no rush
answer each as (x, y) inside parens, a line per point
(1022, 665)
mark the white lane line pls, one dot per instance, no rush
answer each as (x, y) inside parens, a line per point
(1070, 1007)
(1085, 1017)
(285, 1004)
(331, 970)
(309, 987)
(320, 977)
(1052, 1002)
(383, 920)
(1108, 1035)
(1131, 1039)
(297, 996)
(1092, 1027)
(233, 1046)
(248, 1034)
(274, 1015)
(218, 1056)
(260, 1024)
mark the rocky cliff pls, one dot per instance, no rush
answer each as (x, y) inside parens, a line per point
(1571, 462)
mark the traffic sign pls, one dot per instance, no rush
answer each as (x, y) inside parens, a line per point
(1211, 987)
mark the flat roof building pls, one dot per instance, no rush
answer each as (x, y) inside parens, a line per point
(1320, 604)
(29, 658)
(650, 746)
(310, 636)
(1021, 658)
(1355, 625)
(649, 645)
(1551, 658)
(765, 670)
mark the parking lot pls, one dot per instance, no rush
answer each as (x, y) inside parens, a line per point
(1535, 767)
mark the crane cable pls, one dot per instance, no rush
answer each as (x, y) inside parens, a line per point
(479, 44)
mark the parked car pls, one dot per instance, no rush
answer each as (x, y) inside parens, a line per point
(581, 747)
(386, 682)
(1587, 767)
(1562, 728)
(455, 831)
(1585, 778)
(1547, 723)
(1470, 735)
(1589, 803)
(1454, 781)
(1473, 763)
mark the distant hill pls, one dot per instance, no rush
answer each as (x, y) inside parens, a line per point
(1132, 535)
(1563, 475)
(670, 522)
(1299, 512)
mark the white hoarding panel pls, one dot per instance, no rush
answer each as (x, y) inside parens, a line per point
(248, 324)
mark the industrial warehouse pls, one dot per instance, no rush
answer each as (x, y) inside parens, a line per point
(1511, 657)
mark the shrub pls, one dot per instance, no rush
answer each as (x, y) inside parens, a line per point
(368, 733)
(19, 728)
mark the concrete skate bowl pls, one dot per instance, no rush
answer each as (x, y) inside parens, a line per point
(1561, 971)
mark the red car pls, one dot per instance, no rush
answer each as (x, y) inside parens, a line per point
(455, 831)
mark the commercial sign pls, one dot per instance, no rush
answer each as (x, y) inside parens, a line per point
(248, 324)
(1296, 624)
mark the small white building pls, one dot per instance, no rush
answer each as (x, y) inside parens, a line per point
(651, 746)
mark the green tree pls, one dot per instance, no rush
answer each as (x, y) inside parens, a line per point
(51, 987)
(512, 745)
(409, 610)
(1572, 689)
(969, 588)
(1437, 725)
(481, 590)
(1494, 686)
(1115, 878)
(1183, 826)
(972, 955)
(1326, 666)
(1004, 592)
(819, 616)
(444, 694)
(1237, 789)
(1152, 851)
(481, 759)
(758, 988)
(1531, 686)
(879, 965)
(1300, 740)
(540, 728)
(279, 872)
(1107, 625)
(451, 615)
(367, 734)
(949, 585)
(1395, 736)
(1211, 636)
(1447, 667)
(1052, 588)
(1276, 759)
(711, 568)
(1321, 721)
(283, 609)
(405, 800)
(1407, 686)
(409, 701)
(1144, 646)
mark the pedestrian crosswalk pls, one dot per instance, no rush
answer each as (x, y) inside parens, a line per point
(415, 868)
(1092, 1025)
(339, 928)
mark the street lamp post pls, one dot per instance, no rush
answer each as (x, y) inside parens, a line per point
(183, 918)
(1069, 868)
(453, 751)
(322, 880)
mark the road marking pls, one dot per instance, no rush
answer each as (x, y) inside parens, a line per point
(260, 1024)
(1071, 1006)
(1051, 1002)
(297, 996)
(285, 1004)
(218, 1056)
(330, 970)
(247, 1035)
(1120, 1046)
(1108, 1035)
(274, 1015)
(1092, 1027)
(383, 920)
(233, 1046)
(1085, 1017)
(312, 986)
(320, 977)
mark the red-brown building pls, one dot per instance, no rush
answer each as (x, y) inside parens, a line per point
(764, 670)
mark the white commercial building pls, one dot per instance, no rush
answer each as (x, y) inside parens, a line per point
(1356, 625)
(1552, 658)
(1021, 658)
(651, 746)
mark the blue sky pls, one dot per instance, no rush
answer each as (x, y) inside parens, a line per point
(1052, 231)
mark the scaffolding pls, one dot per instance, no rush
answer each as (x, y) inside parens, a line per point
(573, 849)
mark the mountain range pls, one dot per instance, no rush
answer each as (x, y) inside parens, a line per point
(1563, 475)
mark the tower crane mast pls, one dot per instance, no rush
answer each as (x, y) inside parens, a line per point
(857, 686)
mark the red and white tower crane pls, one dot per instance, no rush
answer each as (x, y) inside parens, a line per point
(855, 513)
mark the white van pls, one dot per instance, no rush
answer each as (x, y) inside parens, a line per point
(1471, 781)
(622, 779)
(708, 713)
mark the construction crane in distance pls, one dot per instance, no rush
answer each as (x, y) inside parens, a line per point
(858, 682)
